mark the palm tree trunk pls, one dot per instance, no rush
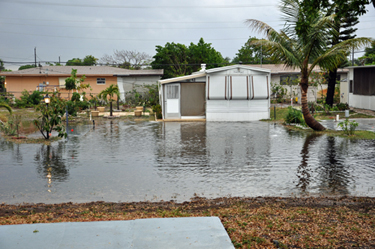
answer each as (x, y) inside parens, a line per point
(110, 108)
(309, 119)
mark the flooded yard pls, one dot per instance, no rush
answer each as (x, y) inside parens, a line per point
(137, 161)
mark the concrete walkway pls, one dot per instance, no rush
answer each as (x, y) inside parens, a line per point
(160, 233)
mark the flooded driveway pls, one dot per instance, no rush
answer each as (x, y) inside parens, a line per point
(139, 161)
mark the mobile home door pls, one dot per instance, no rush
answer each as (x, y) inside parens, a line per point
(172, 101)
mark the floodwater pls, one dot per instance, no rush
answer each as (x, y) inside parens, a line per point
(153, 161)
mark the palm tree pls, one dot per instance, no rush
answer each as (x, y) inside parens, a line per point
(7, 107)
(110, 91)
(306, 47)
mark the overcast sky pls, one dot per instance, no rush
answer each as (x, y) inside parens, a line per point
(72, 29)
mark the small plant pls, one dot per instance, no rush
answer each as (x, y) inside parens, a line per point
(294, 116)
(348, 126)
(11, 127)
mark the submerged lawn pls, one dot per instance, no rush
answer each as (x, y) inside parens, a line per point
(250, 222)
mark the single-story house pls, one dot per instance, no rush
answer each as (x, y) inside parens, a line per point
(285, 75)
(99, 78)
(231, 93)
(361, 87)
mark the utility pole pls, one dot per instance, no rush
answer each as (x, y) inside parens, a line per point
(353, 57)
(59, 60)
(35, 55)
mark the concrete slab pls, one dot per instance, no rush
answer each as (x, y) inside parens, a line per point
(191, 232)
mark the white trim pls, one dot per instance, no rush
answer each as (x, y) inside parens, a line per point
(182, 78)
(192, 117)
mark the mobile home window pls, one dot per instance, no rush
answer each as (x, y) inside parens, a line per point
(172, 92)
(100, 81)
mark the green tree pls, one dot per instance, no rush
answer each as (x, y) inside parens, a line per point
(251, 54)
(305, 48)
(177, 59)
(1, 65)
(89, 60)
(50, 118)
(173, 58)
(110, 92)
(369, 57)
(26, 67)
(203, 53)
(345, 18)
(75, 83)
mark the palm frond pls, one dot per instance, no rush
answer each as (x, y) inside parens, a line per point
(6, 107)
(334, 56)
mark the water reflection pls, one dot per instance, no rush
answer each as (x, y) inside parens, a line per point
(50, 163)
(334, 175)
(304, 169)
(15, 148)
(136, 161)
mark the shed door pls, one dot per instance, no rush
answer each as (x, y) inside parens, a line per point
(193, 99)
(172, 101)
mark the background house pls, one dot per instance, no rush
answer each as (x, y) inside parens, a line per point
(361, 87)
(52, 78)
(285, 75)
(232, 93)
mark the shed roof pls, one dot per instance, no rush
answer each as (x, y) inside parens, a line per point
(82, 70)
(203, 73)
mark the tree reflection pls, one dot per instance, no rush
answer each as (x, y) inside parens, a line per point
(16, 152)
(50, 163)
(303, 170)
(334, 175)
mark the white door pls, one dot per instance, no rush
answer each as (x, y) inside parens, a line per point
(172, 101)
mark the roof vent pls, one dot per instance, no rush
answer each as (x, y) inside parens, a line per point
(203, 66)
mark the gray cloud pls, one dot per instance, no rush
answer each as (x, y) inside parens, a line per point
(78, 28)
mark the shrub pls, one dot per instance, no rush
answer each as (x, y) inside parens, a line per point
(348, 126)
(294, 116)
(157, 109)
(342, 106)
(11, 127)
(29, 100)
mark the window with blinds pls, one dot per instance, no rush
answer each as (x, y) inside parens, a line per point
(172, 92)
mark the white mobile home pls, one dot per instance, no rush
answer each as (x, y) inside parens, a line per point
(361, 87)
(232, 93)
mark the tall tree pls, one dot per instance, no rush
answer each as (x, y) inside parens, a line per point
(346, 17)
(204, 53)
(369, 57)
(177, 59)
(306, 47)
(251, 54)
(173, 58)
(127, 59)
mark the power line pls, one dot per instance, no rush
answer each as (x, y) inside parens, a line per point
(67, 26)
(142, 7)
(116, 39)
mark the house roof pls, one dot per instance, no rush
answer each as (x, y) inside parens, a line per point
(82, 70)
(282, 69)
(203, 73)
(367, 66)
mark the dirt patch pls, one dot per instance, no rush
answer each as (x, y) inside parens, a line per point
(260, 222)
